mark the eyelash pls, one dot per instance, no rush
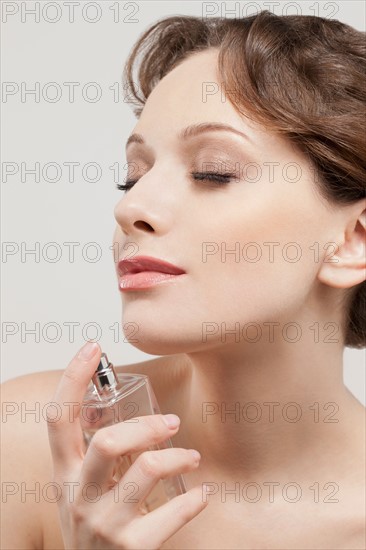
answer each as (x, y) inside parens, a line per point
(217, 178)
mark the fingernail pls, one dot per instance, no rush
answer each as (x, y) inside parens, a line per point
(171, 420)
(87, 351)
(196, 455)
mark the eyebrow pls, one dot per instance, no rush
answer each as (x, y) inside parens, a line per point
(194, 130)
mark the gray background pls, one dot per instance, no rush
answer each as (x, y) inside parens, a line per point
(56, 294)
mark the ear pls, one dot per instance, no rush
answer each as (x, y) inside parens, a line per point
(347, 267)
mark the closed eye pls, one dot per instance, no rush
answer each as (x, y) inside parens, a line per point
(215, 177)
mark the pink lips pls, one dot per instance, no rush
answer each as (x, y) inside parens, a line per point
(142, 272)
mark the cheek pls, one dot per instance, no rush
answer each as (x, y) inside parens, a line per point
(260, 264)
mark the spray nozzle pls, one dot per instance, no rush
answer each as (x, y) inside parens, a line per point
(104, 377)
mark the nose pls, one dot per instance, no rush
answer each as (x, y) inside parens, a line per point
(149, 206)
(132, 218)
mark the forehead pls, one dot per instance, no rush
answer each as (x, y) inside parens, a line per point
(193, 93)
(189, 94)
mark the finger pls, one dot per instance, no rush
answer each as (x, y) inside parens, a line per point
(150, 467)
(162, 523)
(123, 438)
(64, 431)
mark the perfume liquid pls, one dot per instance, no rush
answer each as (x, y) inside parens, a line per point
(113, 398)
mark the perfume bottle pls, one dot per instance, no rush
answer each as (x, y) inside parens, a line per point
(112, 398)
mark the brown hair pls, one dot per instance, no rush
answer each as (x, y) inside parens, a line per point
(304, 77)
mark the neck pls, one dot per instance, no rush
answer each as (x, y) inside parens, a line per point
(262, 407)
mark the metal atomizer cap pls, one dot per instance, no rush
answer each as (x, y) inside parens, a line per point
(104, 377)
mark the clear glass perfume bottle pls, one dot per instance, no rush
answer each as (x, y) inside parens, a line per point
(113, 398)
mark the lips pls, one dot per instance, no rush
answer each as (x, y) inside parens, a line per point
(147, 263)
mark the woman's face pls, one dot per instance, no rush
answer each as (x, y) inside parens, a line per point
(251, 246)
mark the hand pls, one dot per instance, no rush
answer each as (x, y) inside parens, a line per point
(107, 522)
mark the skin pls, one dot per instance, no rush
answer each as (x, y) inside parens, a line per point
(168, 215)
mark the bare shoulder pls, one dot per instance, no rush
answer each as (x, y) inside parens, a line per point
(23, 455)
(35, 384)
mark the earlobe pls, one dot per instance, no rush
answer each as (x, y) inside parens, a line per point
(347, 267)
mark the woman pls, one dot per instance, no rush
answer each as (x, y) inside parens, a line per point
(246, 171)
